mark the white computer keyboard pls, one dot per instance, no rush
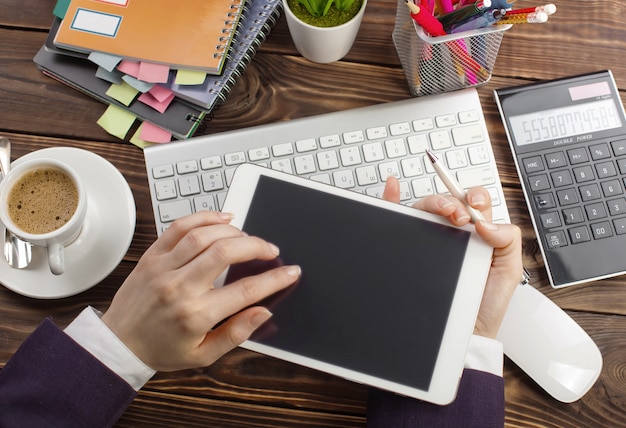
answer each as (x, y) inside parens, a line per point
(355, 149)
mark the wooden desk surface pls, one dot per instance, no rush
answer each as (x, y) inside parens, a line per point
(245, 389)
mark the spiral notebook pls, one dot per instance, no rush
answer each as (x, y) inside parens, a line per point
(186, 34)
(255, 24)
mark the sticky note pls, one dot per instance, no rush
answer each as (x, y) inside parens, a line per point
(122, 92)
(110, 76)
(136, 139)
(129, 67)
(106, 61)
(153, 134)
(60, 9)
(140, 85)
(160, 93)
(159, 106)
(154, 73)
(116, 121)
(190, 77)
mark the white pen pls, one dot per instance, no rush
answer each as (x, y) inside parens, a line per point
(456, 190)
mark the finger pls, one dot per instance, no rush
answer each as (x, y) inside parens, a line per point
(196, 241)
(180, 227)
(446, 206)
(231, 334)
(392, 190)
(480, 199)
(224, 252)
(506, 240)
(230, 299)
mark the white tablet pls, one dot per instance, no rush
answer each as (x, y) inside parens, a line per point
(388, 295)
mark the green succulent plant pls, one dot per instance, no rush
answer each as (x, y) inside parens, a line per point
(321, 7)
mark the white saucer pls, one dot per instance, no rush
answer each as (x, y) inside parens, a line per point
(101, 245)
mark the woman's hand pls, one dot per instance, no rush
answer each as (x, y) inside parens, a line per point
(506, 240)
(167, 310)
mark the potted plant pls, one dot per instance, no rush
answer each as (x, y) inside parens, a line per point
(323, 30)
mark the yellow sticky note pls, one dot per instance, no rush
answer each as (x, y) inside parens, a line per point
(122, 92)
(190, 77)
(116, 121)
(136, 139)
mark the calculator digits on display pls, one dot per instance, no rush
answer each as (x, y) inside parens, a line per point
(568, 139)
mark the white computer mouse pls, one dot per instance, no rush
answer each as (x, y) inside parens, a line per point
(549, 345)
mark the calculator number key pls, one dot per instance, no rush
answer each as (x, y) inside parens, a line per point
(579, 234)
(601, 230)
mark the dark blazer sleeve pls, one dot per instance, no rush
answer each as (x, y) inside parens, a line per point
(479, 403)
(52, 381)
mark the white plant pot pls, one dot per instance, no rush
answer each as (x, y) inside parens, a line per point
(323, 44)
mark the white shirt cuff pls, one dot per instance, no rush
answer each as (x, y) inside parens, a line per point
(91, 333)
(485, 354)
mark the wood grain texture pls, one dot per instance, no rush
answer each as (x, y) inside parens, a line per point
(245, 389)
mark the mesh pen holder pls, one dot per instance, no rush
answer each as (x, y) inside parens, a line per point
(434, 65)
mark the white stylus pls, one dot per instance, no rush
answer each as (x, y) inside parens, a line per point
(456, 190)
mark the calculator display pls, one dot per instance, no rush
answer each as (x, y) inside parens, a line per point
(564, 122)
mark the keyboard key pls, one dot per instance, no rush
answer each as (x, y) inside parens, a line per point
(322, 178)
(376, 133)
(606, 169)
(620, 226)
(599, 151)
(204, 203)
(165, 189)
(284, 149)
(422, 187)
(471, 177)
(353, 137)
(544, 201)
(330, 141)
(412, 167)
(617, 206)
(590, 192)
(188, 185)
(366, 175)
(619, 147)
(478, 154)
(440, 140)
(402, 128)
(387, 169)
(469, 116)
(211, 162)
(539, 182)
(456, 159)
(373, 152)
(417, 143)
(234, 158)
(162, 171)
(533, 164)
(170, 211)
(584, 173)
(259, 154)
(307, 145)
(445, 120)
(350, 156)
(567, 196)
(550, 220)
(187, 167)
(344, 179)
(327, 160)
(556, 160)
(611, 188)
(212, 181)
(423, 124)
(561, 178)
(283, 165)
(573, 215)
(577, 155)
(465, 135)
(304, 164)
(395, 148)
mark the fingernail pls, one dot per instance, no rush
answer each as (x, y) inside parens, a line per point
(260, 318)
(444, 203)
(293, 270)
(477, 200)
(489, 225)
(227, 216)
(463, 218)
(275, 249)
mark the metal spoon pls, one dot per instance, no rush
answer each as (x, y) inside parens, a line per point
(18, 253)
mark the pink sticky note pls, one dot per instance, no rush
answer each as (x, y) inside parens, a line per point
(129, 67)
(160, 93)
(153, 134)
(159, 106)
(153, 73)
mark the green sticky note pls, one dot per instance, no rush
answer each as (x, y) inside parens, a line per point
(136, 139)
(122, 92)
(116, 121)
(190, 77)
(61, 8)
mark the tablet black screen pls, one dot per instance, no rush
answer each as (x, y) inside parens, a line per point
(376, 285)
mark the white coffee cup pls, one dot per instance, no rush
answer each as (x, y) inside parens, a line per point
(55, 236)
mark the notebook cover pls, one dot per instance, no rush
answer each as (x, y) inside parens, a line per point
(189, 34)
